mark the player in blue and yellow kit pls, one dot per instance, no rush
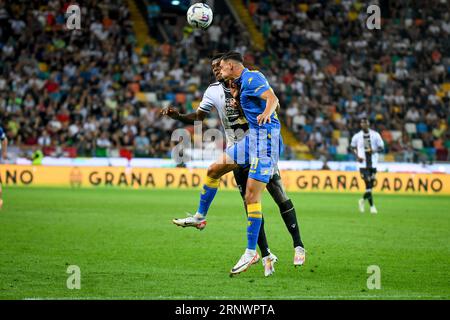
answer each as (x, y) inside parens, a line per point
(217, 169)
(260, 150)
(261, 147)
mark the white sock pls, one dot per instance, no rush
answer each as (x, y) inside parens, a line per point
(250, 252)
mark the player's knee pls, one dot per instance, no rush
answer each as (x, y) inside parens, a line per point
(214, 171)
(251, 196)
(217, 170)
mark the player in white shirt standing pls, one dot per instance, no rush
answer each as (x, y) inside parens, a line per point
(366, 145)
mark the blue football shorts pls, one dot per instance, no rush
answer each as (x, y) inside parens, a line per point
(259, 150)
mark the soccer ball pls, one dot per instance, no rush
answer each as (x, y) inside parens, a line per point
(199, 15)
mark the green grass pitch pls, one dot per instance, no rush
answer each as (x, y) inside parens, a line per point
(127, 248)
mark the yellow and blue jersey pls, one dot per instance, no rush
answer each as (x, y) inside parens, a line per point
(252, 85)
(261, 148)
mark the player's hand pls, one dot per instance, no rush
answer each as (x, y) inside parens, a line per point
(263, 118)
(170, 112)
(360, 160)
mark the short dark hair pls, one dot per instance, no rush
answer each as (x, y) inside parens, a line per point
(217, 56)
(233, 55)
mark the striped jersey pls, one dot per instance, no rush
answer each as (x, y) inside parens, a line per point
(233, 120)
(363, 142)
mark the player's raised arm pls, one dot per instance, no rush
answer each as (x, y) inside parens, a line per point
(189, 118)
(272, 103)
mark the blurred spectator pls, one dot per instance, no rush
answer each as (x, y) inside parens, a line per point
(64, 89)
(323, 53)
(142, 145)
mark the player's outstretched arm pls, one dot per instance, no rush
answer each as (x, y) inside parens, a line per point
(189, 118)
(271, 105)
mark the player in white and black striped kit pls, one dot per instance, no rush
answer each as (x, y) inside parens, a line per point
(218, 95)
(366, 145)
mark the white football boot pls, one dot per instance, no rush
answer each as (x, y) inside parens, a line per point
(269, 264)
(249, 258)
(373, 210)
(191, 221)
(299, 256)
(361, 205)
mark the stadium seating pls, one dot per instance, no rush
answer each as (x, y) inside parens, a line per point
(417, 144)
(312, 67)
(305, 34)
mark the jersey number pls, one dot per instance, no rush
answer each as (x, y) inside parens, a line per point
(254, 164)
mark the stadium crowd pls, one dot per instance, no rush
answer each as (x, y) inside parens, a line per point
(70, 92)
(333, 69)
(74, 92)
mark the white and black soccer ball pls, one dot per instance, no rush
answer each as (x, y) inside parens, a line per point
(199, 15)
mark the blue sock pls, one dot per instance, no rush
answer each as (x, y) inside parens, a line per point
(254, 224)
(207, 196)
